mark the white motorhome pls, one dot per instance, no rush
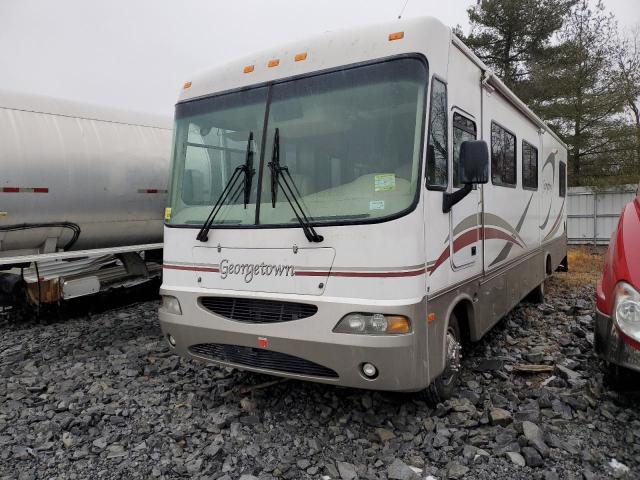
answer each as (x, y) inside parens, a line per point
(350, 208)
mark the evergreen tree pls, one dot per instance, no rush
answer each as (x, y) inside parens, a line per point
(578, 91)
(511, 35)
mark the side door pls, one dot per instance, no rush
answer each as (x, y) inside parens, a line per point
(465, 217)
(465, 123)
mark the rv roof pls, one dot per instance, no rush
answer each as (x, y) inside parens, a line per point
(334, 49)
(68, 108)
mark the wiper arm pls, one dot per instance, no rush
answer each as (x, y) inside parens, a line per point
(280, 176)
(248, 171)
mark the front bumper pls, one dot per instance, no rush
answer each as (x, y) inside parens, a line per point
(610, 344)
(401, 360)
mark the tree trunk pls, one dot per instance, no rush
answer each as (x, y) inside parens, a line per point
(636, 114)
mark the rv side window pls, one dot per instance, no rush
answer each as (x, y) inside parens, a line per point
(503, 156)
(563, 179)
(464, 129)
(437, 148)
(529, 166)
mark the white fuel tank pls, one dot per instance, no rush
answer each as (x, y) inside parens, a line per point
(78, 177)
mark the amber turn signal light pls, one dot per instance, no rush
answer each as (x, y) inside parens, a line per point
(397, 324)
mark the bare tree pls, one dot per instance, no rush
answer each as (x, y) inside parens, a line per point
(628, 66)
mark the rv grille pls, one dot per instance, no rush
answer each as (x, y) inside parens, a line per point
(260, 358)
(257, 311)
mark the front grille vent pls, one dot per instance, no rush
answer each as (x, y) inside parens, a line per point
(251, 310)
(261, 358)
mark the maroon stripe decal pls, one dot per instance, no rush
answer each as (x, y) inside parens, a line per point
(470, 237)
(151, 190)
(495, 234)
(465, 239)
(410, 273)
(191, 269)
(24, 190)
(310, 274)
(441, 259)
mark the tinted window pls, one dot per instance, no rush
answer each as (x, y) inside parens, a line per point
(464, 129)
(437, 152)
(503, 156)
(529, 166)
(563, 179)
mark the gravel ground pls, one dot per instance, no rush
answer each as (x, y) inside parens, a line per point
(103, 397)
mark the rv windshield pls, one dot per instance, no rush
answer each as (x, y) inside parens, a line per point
(351, 140)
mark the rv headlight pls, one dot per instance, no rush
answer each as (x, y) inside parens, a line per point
(626, 310)
(373, 324)
(171, 304)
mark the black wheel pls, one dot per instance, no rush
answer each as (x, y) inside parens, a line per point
(619, 378)
(445, 385)
(537, 294)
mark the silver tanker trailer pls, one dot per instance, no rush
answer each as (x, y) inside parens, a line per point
(82, 194)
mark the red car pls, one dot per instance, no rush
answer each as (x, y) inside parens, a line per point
(617, 332)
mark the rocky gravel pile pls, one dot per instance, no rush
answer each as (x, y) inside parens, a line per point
(104, 398)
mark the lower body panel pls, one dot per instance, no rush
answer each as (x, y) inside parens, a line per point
(306, 348)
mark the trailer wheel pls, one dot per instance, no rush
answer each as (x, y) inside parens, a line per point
(445, 385)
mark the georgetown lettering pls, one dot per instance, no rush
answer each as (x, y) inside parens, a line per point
(250, 270)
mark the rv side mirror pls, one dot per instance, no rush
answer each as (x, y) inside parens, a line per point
(474, 169)
(474, 162)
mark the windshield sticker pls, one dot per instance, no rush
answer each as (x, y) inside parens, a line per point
(376, 205)
(167, 213)
(385, 182)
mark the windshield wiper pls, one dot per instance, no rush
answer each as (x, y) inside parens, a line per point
(280, 176)
(248, 171)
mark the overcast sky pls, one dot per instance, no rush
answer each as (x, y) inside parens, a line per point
(135, 54)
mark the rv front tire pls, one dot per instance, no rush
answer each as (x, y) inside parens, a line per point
(445, 385)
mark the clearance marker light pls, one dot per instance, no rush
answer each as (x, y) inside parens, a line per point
(273, 63)
(249, 69)
(396, 36)
(186, 85)
(301, 57)
(431, 317)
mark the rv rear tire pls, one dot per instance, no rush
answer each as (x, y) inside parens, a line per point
(537, 294)
(443, 387)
